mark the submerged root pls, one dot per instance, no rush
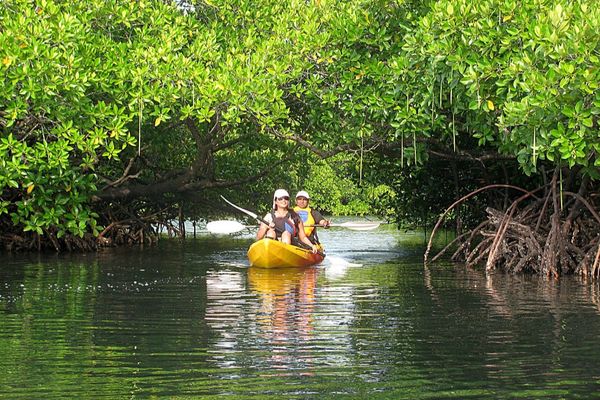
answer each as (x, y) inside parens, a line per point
(16, 242)
(116, 234)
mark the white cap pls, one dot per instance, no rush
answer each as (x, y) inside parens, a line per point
(302, 193)
(280, 193)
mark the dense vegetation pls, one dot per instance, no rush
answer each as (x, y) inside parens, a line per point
(118, 116)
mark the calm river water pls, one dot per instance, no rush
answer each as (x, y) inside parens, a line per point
(193, 321)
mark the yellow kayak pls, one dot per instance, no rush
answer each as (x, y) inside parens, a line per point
(270, 253)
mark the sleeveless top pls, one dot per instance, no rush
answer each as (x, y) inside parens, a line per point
(287, 223)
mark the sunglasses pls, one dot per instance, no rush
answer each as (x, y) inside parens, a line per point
(283, 198)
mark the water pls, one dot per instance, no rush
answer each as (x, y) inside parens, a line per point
(193, 321)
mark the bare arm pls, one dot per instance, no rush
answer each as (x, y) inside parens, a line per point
(264, 228)
(320, 219)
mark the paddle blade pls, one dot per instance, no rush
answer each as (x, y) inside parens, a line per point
(359, 226)
(225, 227)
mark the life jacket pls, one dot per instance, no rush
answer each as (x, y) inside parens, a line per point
(307, 218)
(288, 223)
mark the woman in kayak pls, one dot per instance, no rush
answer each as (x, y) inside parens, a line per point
(283, 223)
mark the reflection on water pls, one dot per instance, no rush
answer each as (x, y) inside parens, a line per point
(285, 317)
(287, 301)
(193, 321)
(277, 315)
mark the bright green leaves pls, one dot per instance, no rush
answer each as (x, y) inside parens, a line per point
(86, 85)
(333, 190)
(578, 116)
(568, 145)
(85, 82)
(43, 186)
(531, 69)
(65, 88)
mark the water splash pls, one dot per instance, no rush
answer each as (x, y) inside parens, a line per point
(334, 261)
(336, 267)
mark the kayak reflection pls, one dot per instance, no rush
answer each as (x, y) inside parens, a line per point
(287, 301)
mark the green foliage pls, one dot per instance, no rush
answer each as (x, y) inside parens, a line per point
(331, 191)
(54, 132)
(520, 75)
(88, 85)
(382, 200)
(218, 97)
(340, 190)
(463, 79)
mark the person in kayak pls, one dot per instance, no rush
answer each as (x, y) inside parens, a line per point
(310, 217)
(284, 224)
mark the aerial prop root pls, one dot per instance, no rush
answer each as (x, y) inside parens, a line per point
(457, 203)
(539, 237)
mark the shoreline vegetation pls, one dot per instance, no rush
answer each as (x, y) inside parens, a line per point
(117, 117)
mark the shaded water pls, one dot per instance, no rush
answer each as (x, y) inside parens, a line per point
(193, 321)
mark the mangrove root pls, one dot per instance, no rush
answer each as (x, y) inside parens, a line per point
(555, 234)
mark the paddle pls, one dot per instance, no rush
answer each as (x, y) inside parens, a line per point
(228, 227)
(355, 226)
(250, 213)
(247, 212)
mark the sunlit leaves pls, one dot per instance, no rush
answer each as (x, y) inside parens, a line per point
(63, 97)
(89, 84)
(85, 81)
(535, 62)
